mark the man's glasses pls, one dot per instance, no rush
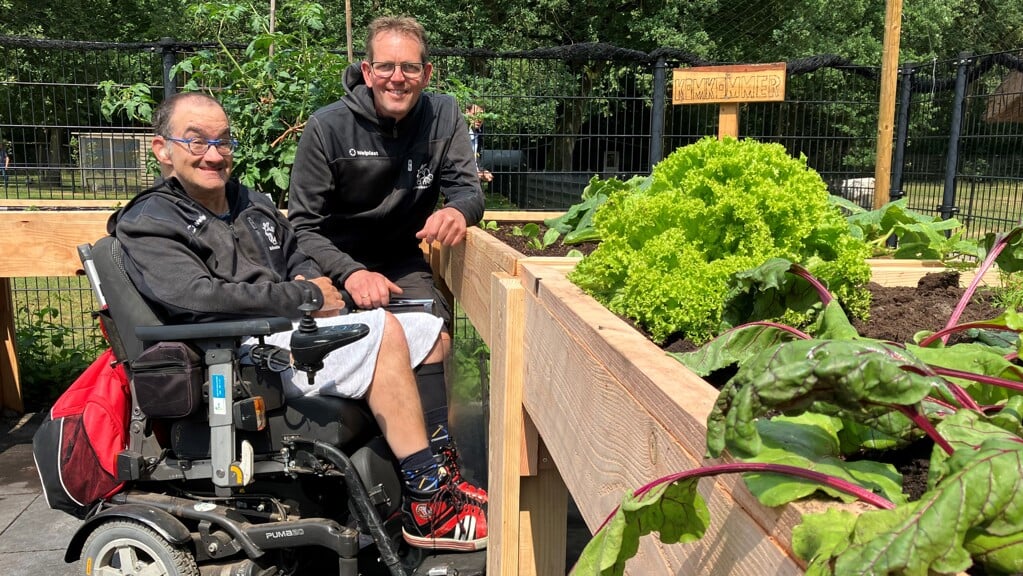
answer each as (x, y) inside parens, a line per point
(199, 146)
(411, 70)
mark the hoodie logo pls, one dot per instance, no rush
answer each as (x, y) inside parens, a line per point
(197, 223)
(353, 152)
(271, 237)
(424, 177)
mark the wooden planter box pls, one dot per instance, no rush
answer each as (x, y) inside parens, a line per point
(610, 409)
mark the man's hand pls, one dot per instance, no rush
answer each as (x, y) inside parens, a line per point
(332, 300)
(485, 176)
(446, 226)
(370, 289)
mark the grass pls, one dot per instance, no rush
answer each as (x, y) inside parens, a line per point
(113, 185)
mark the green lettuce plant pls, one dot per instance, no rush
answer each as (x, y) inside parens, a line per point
(670, 245)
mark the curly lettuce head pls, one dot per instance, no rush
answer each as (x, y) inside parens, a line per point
(714, 208)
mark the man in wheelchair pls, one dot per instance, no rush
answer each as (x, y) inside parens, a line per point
(200, 247)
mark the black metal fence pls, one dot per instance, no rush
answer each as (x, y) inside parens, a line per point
(557, 117)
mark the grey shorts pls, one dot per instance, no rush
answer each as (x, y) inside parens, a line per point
(416, 281)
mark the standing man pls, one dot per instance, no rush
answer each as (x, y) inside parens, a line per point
(474, 112)
(368, 175)
(199, 246)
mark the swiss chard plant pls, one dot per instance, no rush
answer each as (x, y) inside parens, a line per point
(896, 231)
(801, 403)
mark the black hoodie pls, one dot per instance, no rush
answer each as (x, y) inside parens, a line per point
(195, 267)
(362, 186)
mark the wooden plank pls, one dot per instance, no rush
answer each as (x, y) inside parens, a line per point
(502, 216)
(910, 274)
(728, 121)
(506, 438)
(45, 243)
(544, 521)
(592, 408)
(63, 204)
(10, 378)
(467, 269)
(886, 108)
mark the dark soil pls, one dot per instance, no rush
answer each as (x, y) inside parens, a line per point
(896, 314)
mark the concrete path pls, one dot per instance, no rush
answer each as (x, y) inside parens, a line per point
(32, 537)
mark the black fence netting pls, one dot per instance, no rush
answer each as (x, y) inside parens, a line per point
(557, 117)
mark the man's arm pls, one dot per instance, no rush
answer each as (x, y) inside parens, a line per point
(460, 185)
(459, 182)
(311, 184)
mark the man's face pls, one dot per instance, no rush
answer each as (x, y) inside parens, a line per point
(394, 97)
(205, 174)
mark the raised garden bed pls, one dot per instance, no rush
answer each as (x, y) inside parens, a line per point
(611, 408)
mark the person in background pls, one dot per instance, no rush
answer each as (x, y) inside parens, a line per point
(474, 112)
(199, 246)
(5, 163)
(369, 172)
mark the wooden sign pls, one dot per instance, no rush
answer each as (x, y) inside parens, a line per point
(727, 84)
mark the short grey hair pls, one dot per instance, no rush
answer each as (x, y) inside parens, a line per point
(162, 114)
(404, 25)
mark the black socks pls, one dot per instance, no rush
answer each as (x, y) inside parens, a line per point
(434, 396)
(421, 473)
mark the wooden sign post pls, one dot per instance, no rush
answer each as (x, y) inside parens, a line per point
(729, 86)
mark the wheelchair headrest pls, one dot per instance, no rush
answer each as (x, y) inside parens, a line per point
(125, 306)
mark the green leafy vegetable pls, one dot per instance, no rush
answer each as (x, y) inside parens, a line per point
(975, 511)
(861, 380)
(920, 236)
(668, 252)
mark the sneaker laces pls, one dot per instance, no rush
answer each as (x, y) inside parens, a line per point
(476, 494)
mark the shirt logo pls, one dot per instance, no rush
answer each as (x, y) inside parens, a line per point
(354, 152)
(271, 237)
(197, 223)
(424, 177)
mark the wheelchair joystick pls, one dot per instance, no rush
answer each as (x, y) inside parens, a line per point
(310, 343)
(308, 323)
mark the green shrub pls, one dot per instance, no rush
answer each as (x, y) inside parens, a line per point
(49, 357)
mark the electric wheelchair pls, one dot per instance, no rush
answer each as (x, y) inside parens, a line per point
(223, 476)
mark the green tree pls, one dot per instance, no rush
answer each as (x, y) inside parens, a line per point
(268, 90)
(98, 20)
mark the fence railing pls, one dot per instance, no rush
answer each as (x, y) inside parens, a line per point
(555, 118)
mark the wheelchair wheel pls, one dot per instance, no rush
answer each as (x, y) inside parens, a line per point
(123, 547)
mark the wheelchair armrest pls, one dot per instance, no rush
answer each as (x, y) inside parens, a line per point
(212, 330)
(308, 348)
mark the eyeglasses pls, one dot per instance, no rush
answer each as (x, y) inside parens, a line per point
(411, 70)
(199, 146)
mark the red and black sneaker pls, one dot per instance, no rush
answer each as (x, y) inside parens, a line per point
(450, 455)
(445, 520)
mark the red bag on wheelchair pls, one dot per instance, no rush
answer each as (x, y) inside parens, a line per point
(76, 445)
